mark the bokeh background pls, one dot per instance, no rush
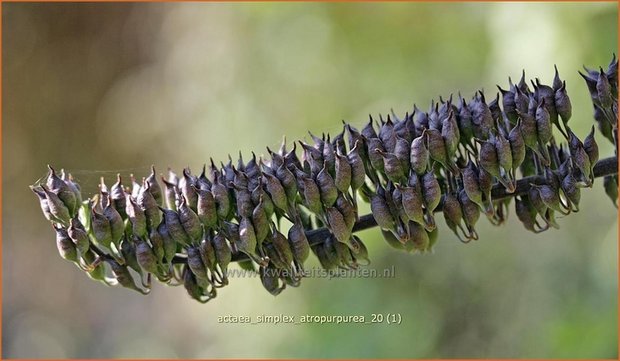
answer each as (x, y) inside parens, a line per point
(105, 88)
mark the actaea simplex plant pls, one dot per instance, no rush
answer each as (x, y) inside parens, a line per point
(465, 158)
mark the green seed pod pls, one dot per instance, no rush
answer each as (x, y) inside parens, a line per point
(223, 254)
(418, 236)
(170, 193)
(337, 225)
(381, 212)
(391, 240)
(270, 281)
(431, 192)
(100, 227)
(175, 227)
(136, 217)
(206, 208)
(582, 162)
(298, 243)
(260, 222)
(517, 146)
(348, 211)
(157, 243)
(147, 202)
(247, 237)
(57, 186)
(66, 248)
(57, 208)
(504, 152)
(611, 188)
(222, 199)
(591, 148)
(450, 134)
(276, 191)
(78, 235)
(190, 222)
(343, 173)
(529, 131)
(358, 171)
(419, 155)
(170, 246)
(117, 226)
(154, 187)
(123, 277)
(196, 264)
(543, 124)
(327, 187)
(145, 256)
(288, 182)
(412, 203)
(392, 167)
(376, 160)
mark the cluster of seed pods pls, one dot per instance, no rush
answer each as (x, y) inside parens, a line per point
(187, 229)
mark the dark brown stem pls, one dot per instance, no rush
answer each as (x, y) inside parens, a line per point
(603, 167)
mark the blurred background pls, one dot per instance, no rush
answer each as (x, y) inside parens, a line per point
(104, 88)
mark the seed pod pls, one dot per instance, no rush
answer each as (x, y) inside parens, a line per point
(517, 146)
(504, 152)
(471, 213)
(123, 277)
(206, 209)
(298, 242)
(543, 123)
(431, 191)
(154, 187)
(243, 199)
(603, 90)
(452, 213)
(412, 203)
(508, 103)
(549, 196)
(247, 237)
(58, 187)
(337, 225)
(343, 254)
(207, 253)
(145, 256)
(223, 254)
(329, 156)
(190, 221)
(391, 240)
(358, 171)
(288, 182)
(270, 281)
(386, 134)
(175, 227)
(100, 227)
(196, 264)
(376, 160)
(526, 214)
(582, 162)
(147, 202)
(611, 188)
(343, 173)
(536, 201)
(361, 252)
(170, 193)
(276, 191)
(381, 212)
(488, 158)
(450, 134)
(260, 222)
(311, 195)
(136, 217)
(74, 187)
(563, 104)
(66, 248)
(327, 187)
(128, 251)
(392, 167)
(464, 121)
(57, 208)
(419, 156)
(42, 202)
(78, 235)
(591, 148)
(170, 246)
(485, 180)
(222, 199)
(348, 211)
(436, 146)
(571, 191)
(418, 236)
(117, 226)
(118, 196)
(190, 283)
(402, 151)
(282, 247)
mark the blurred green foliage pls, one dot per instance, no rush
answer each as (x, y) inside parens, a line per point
(105, 88)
